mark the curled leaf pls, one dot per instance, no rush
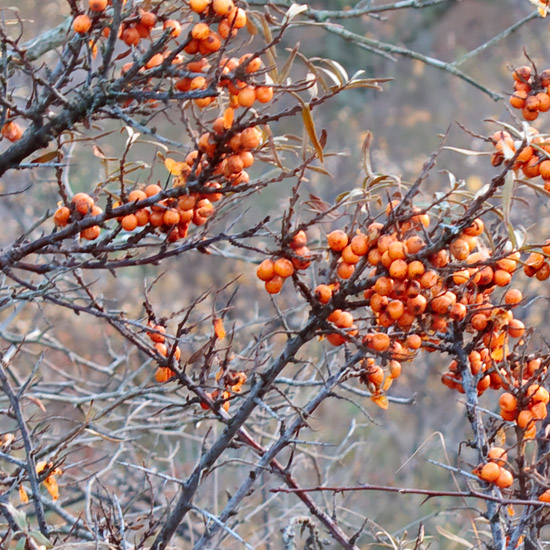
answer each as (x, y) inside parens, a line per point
(380, 399)
(218, 328)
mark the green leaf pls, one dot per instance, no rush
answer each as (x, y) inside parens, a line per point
(40, 538)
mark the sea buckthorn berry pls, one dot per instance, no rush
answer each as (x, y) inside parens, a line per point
(359, 244)
(525, 419)
(158, 335)
(198, 6)
(283, 267)
(516, 329)
(475, 228)
(545, 497)
(398, 269)
(298, 240)
(345, 270)
(508, 402)
(174, 25)
(460, 249)
(91, 233)
(83, 203)
(378, 341)
(323, 293)
(337, 240)
(513, 296)
(97, 5)
(517, 99)
(490, 472)
(223, 7)
(505, 479)
(130, 36)
(129, 222)
(498, 455)
(274, 285)
(61, 216)
(265, 270)
(264, 94)
(522, 74)
(82, 24)
(147, 18)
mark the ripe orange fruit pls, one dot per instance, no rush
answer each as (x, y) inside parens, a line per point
(283, 267)
(337, 240)
(274, 285)
(91, 233)
(156, 336)
(82, 24)
(345, 270)
(198, 6)
(129, 222)
(223, 7)
(498, 455)
(264, 94)
(323, 293)
(378, 341)
(174, 25)
(97, 5)
(61, 216)
(513, 296)
(83, 203)
(131, 36)
(490, 472)
(508, 402)
(505, 479)
(265, 270)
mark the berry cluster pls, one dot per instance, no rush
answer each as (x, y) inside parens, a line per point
(531, 92)
(156, 334)
(81, 205)
(274, 272)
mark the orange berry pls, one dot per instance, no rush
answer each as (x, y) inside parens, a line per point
(83, 203)
(97, 5)
(475, 228)
(223, 7)
(82, 24)
(129, 222)
(61, 216)
(265, 270)
(498, 455)
(345, 270)
(323, 293)
(152, 189)
(525, 419)
(198, 6)
(378, 341)
(274, 285)
(163, 374)
(147, 18)
(247, 96)
(516, 329)
(359, 245)
(513, 296)
(91, 233)
(398, 269)
(508, 402)
(264, 94)
(337, 240)
(505, 479)
(200, 31)
(131, 36)
(158, 336)
(545, 497)
(174, 25)
(283, 267)
(490, 472)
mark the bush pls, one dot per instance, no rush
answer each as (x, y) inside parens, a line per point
(186, 361)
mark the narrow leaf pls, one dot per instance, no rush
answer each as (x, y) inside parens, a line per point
(310, 127)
